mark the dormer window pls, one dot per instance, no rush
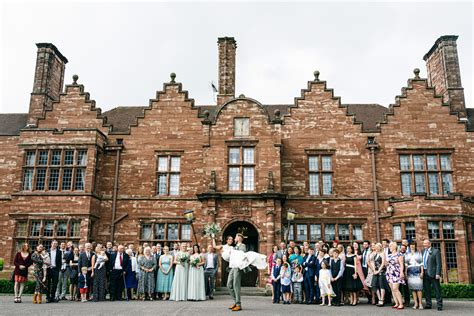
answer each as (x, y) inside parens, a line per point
(242, 127)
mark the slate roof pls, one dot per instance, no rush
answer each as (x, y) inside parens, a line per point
(368, 114)
(123, 116)
(11, 123)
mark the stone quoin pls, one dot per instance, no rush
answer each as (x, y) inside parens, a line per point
(69, 171)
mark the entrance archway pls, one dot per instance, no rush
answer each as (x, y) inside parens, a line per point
(251, 242)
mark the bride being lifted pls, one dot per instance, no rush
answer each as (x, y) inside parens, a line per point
(238, 258)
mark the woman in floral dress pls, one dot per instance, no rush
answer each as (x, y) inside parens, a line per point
(147, 265)
(38, 272)
(395, 274)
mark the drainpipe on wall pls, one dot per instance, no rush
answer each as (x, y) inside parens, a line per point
(373, 146)
(115, 191)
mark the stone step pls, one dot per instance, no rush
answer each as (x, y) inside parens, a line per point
(245, 291)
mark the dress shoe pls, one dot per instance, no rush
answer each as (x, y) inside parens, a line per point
(236, 308)
(232, 307)
(211, 297)
(440, 308)
(427, 307)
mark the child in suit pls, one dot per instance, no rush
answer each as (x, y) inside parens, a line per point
(297, 279)
(337, 269)
(83, 280)
(276, 277)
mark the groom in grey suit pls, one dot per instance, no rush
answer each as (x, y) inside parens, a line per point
(432, 267)
(211, 266)
(235, 275)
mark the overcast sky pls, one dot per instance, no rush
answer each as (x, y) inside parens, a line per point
(123, 52)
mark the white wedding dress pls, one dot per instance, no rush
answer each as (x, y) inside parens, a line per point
(241, 260)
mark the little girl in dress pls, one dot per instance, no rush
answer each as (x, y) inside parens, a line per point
(46, 263)
(325, 283)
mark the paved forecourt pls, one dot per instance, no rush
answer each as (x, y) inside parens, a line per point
(219, 306)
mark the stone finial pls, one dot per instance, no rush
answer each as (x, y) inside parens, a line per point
(277, 113)
(172, 76)
(416, 71)
(74, 79)
(316, 75)
(206, 114)
(242, 95)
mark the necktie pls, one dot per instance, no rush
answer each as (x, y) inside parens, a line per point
(425, 259)
(120, 259)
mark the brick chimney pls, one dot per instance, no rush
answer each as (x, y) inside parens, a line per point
(227, 47)
(48, 82)
(442, 65)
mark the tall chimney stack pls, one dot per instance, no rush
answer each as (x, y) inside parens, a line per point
(48, 82)
(442, 65)
(227, 47)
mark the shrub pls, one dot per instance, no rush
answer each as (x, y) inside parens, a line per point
(7, 287)
(457, 290)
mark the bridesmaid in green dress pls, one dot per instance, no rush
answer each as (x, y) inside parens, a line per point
(179, 289)
(164, 280)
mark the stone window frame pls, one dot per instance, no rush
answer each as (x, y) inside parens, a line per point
(166, 240)
(242, 145)
(293, 230)
(320, 153)
(75, 168)
(169, 154)
(448, 258)
(426, 172)
(41, 238)
(403, 230)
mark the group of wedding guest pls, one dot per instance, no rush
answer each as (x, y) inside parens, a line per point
(149, 272)
(336, 274)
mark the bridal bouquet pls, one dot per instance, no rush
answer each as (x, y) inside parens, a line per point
(194, 261)
(183, 258)
(211, 230)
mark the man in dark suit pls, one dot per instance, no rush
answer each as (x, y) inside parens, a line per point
(52, 274)
(210, 270)
(309, 271)
(432, 274)
(117, 266)
(85, 260)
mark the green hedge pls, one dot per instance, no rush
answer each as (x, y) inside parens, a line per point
(7, 287)
(448, 290)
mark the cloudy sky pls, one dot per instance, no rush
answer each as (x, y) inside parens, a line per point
(123, 52)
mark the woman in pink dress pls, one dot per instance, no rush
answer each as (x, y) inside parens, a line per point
(271, 262)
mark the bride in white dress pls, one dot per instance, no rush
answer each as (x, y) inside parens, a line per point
(238, 258)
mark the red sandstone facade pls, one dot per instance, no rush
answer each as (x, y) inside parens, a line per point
(70, 172)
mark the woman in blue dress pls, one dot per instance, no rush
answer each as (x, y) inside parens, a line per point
(164, 280)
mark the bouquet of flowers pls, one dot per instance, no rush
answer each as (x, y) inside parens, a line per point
(183, 258)
(194, 261)
(211, 230)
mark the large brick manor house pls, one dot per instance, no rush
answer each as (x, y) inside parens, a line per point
(347, 171)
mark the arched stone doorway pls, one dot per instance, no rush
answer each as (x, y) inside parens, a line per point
(251, 240)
